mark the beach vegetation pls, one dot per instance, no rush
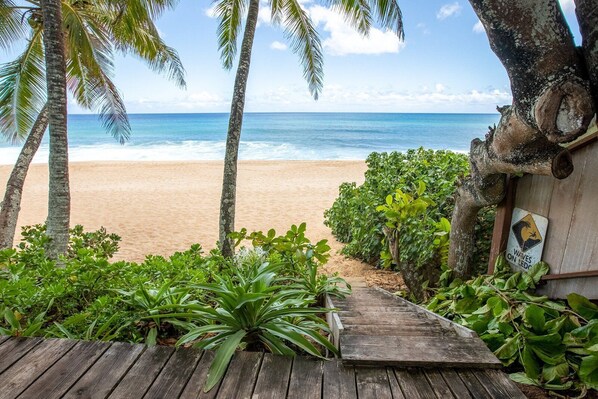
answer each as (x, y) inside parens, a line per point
(410, 195)
(547, 343)
(265, 298)
(305, 42)
(90, 33)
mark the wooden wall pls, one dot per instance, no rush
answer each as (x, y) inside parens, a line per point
(571, 206)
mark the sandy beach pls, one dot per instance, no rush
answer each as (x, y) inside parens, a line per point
(162, 207)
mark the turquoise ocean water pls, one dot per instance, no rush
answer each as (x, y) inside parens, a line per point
(267, 136)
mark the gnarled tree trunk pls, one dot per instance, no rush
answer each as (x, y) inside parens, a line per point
(552, 104)
(233, 138)
(59, 199)
(11, 205)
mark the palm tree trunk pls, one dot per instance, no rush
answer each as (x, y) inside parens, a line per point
(59, 199)
(229, 181)
(11, 205)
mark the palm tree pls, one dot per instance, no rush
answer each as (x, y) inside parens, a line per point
(305, 42)
(91, 31)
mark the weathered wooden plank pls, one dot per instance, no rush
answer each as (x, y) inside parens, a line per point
(476, 389)
(450, 351)
(338, 381)
(582, 242)
(240, 378)
(533, 193)
(14, 349)
(21, 374)
(560, 214)
(372, 383)
(102, 377)
(396, 330)
(306, 379)
(174, 376)
(499, 384)
(372, 320)
(143, 372)
(194, 388)
(414, 384)
(66, 371)
(395, 387)
(273, 379)
(356, 308)
(438, 384)
(3, 338)
(587, 286)
(455, 383)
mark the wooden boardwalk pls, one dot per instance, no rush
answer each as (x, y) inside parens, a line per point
(60, 368)
(375, 327)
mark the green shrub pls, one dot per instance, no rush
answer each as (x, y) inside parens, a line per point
(544, 343)
(354, 220)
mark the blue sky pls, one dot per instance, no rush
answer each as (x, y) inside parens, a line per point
(444, 65)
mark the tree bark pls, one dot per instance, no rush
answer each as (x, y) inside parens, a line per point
(229, 181)
(59, 200)
(587, 16)
(552, 104)
(11, 205)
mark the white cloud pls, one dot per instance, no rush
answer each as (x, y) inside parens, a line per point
(478, 27)
(567, 5)
(423, 28)
(211, 12)
(440, 87)
(449, 10)
(276, 45)
(345, 40)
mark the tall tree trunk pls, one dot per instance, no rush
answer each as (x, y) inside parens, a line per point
(229, 181)
(59, 199)
(11, 205)
(551, 104)
(587, 16)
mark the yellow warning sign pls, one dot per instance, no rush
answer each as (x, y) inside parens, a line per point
(526, 239)
(526, 233)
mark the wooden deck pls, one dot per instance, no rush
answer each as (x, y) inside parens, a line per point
(375, 327)
(60, 368)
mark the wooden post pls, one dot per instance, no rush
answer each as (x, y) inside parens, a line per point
(502, 222)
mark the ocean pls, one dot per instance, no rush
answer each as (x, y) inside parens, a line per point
(266, 136)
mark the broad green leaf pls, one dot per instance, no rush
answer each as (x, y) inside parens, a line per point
(534, 316)
(556, 372)
(223, 356)
(150, 340)
(530, 363)
(588, 371)
(521, 378)
(582, 306)
(537, 271)
(509, 348)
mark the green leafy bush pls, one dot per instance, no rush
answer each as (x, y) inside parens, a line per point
(354, 220)
(545, 343)
(265, 294)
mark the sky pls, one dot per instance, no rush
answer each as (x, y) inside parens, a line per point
(444, 65)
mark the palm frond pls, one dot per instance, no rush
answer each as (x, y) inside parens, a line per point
(22, 90)
(89, 67)
(306, 43)
(389, 15)
(11, 26)
(357, 12)
(230, 13)
(133, 31)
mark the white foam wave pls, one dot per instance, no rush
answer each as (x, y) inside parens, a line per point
(189, 151)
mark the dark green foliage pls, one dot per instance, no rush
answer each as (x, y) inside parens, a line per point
(265, 294)
(545, 343)
(354, 220)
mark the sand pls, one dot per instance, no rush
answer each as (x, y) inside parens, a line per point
(162, 207)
